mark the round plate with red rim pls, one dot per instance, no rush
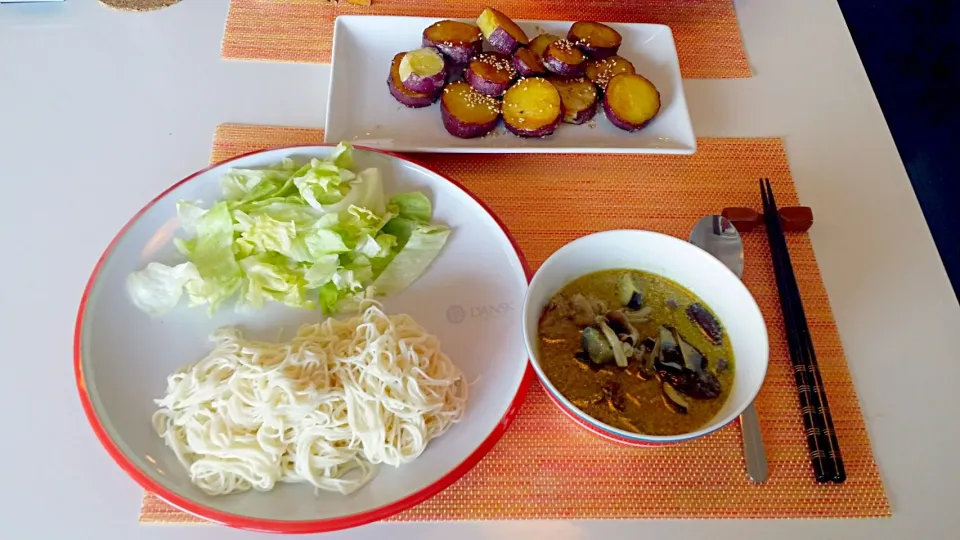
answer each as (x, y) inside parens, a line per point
(470, 297)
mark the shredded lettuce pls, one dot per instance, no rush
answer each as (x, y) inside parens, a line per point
(212, 253)
(318, 234)
(157, 288)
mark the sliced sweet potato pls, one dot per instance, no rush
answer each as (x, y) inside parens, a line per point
(602, 70)
(578, 98)
(527, 63)
(564, 59)
(423, 70)
(408, 98)
(631, 101)
(532, 108)
(540, 43)
(467, 113)
(595, 39)
(490, 73)
(456, 40)
(500, 32)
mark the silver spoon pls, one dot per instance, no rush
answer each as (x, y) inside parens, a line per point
(718, 237)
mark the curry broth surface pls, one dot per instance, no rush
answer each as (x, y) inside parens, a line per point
(644, 410)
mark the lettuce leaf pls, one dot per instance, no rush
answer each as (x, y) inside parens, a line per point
(212, 254)
(412, 260)
(322, 183)
(268, 278)
(412, 210)
(255, 184)
(366, 191)
(316, 234)
(414, 206)
(157, 288)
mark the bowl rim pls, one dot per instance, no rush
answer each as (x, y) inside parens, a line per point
(271, 525)
(605, 430)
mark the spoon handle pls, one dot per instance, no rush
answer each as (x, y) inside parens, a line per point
(753, 450)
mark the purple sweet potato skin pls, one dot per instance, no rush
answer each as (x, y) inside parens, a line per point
(502, 41)
(542, 131)
(464, 130)
(598, 52)
(427, 85)
(455, 72)
(413, 101)
(456, 53)
(523, 67)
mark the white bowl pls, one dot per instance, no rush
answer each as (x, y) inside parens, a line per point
(682, 262)
(470, 297)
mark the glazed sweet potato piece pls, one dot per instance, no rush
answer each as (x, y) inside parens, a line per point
(490, 73)
(423, 70)
(467, 113)
(564, 59)
(456, 40)
(602, 70)
(500, 32)
(595, 39)
(579, 99)
(631, 101)
(532, 108)
(408, 98)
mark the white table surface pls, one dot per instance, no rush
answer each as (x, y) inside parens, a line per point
(101, 110)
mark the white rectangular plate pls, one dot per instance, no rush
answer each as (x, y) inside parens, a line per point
(361, 109)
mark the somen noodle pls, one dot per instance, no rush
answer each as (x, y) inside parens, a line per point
(326, 407)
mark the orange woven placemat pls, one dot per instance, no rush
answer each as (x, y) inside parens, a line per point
(545, 467)
(706, 31)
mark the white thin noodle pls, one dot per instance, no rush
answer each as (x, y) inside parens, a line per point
(325, 408)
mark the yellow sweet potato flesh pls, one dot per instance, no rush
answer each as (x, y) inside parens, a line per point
(540, 43)
(595, 34)
(452, 32)
(633, 98)
(602, 70)
(468, 105)
(531, 104)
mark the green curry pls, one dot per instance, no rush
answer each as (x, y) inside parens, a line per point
(636, 351)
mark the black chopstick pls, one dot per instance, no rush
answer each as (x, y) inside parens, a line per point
(821, 436)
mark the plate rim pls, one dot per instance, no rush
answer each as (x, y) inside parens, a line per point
(271, 525)
(686, 150)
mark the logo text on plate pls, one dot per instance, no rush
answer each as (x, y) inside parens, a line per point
(457, 314)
